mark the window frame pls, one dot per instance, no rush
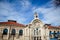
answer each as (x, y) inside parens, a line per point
(20, 32)
(5, 31)
(13, 32)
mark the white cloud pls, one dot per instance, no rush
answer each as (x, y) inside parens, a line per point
(7, 12)
(51, 15)
(25, 3)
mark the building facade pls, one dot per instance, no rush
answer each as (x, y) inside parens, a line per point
(35, 30)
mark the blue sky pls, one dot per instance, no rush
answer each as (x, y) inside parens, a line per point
(23, 11)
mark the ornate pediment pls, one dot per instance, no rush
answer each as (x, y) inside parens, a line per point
(36, 21)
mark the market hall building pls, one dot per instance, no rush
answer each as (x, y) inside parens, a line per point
(35, 30)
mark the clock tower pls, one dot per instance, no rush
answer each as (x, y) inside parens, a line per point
(35, 15)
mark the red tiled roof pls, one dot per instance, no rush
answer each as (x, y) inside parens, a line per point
(52, 27)
(12, 23)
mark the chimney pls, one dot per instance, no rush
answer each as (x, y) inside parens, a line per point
(11, 21)
(48, 24)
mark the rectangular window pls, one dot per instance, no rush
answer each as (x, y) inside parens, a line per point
(37, 38)
(34, 38)
(40, 38)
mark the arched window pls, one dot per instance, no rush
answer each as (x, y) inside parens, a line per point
(50, 32)
(37, 30)
(5, 31)
(13, 32)
(20, 32)
(54, 33)
(57, 32)
(34, 32)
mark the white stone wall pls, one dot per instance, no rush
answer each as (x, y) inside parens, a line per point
(28, 33)
(9, 36)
